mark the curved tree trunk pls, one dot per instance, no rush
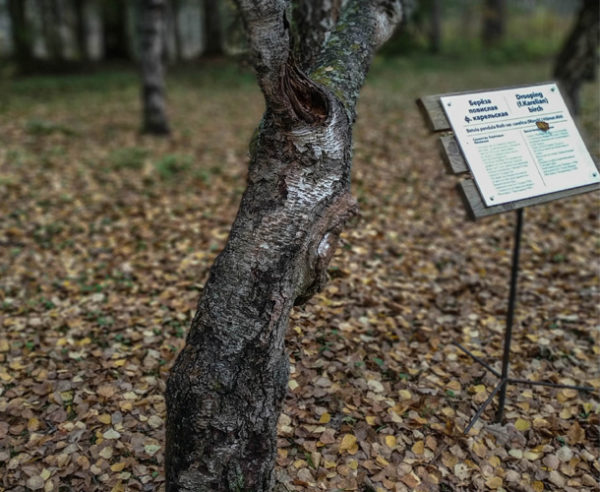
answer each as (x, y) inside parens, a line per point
(577, 61)
(152, 39)
(226, 389)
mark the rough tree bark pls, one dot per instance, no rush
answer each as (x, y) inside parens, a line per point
(494, 13)
(577, 61)
(152, 40)
(225, 391)
(313, 22)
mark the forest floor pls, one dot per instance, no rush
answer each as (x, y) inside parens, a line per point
(107, 236)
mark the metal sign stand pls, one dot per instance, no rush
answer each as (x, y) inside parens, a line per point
(476, 208)
(505, 380)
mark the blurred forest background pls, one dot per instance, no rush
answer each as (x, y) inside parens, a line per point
(68, 32)
(107, 236)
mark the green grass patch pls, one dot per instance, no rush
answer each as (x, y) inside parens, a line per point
(171, 165)
(40, 127)
(128, 158)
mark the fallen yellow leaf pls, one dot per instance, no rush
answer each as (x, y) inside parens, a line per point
(117, 467)
(522, 424)
(33, 424)
(418, 448)
(494, 461)
(348, 442)
(494, 483)
(454, 385)
(537, 486)
(478, 388)
(405, 394)
(382, 461)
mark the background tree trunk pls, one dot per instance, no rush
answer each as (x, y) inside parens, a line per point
(51, 29)
(114, 24)
(175, 13)
(494, 17)
(21, 34)
(435, 29)
(80, 29)
(577, 61)
(225, 391)
(213, 34)
(152, 38)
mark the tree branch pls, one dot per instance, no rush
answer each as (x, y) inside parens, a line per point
(344, 62)
(313, 21)
(268, 38)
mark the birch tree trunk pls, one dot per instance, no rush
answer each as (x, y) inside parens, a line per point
(578, 58)
(152, 40)
(225, 391)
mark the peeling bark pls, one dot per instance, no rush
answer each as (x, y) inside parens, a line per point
(577, 61)
(152, 35)
(226, 389)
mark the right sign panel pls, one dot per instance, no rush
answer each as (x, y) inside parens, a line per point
(519, 143)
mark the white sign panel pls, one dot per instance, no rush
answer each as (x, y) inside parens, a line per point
(519, 143)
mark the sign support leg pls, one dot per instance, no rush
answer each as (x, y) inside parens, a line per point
(503, 376)
(510, 315)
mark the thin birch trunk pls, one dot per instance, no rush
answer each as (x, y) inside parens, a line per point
(152, 38)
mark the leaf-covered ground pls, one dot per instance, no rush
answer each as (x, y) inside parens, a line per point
(107, 236)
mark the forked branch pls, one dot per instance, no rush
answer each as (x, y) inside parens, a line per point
(268, 36)
(362, 28)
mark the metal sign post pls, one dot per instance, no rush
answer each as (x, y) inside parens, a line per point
(505, 380)
(514, 130)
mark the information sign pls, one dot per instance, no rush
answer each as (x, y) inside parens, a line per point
(519, 143)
